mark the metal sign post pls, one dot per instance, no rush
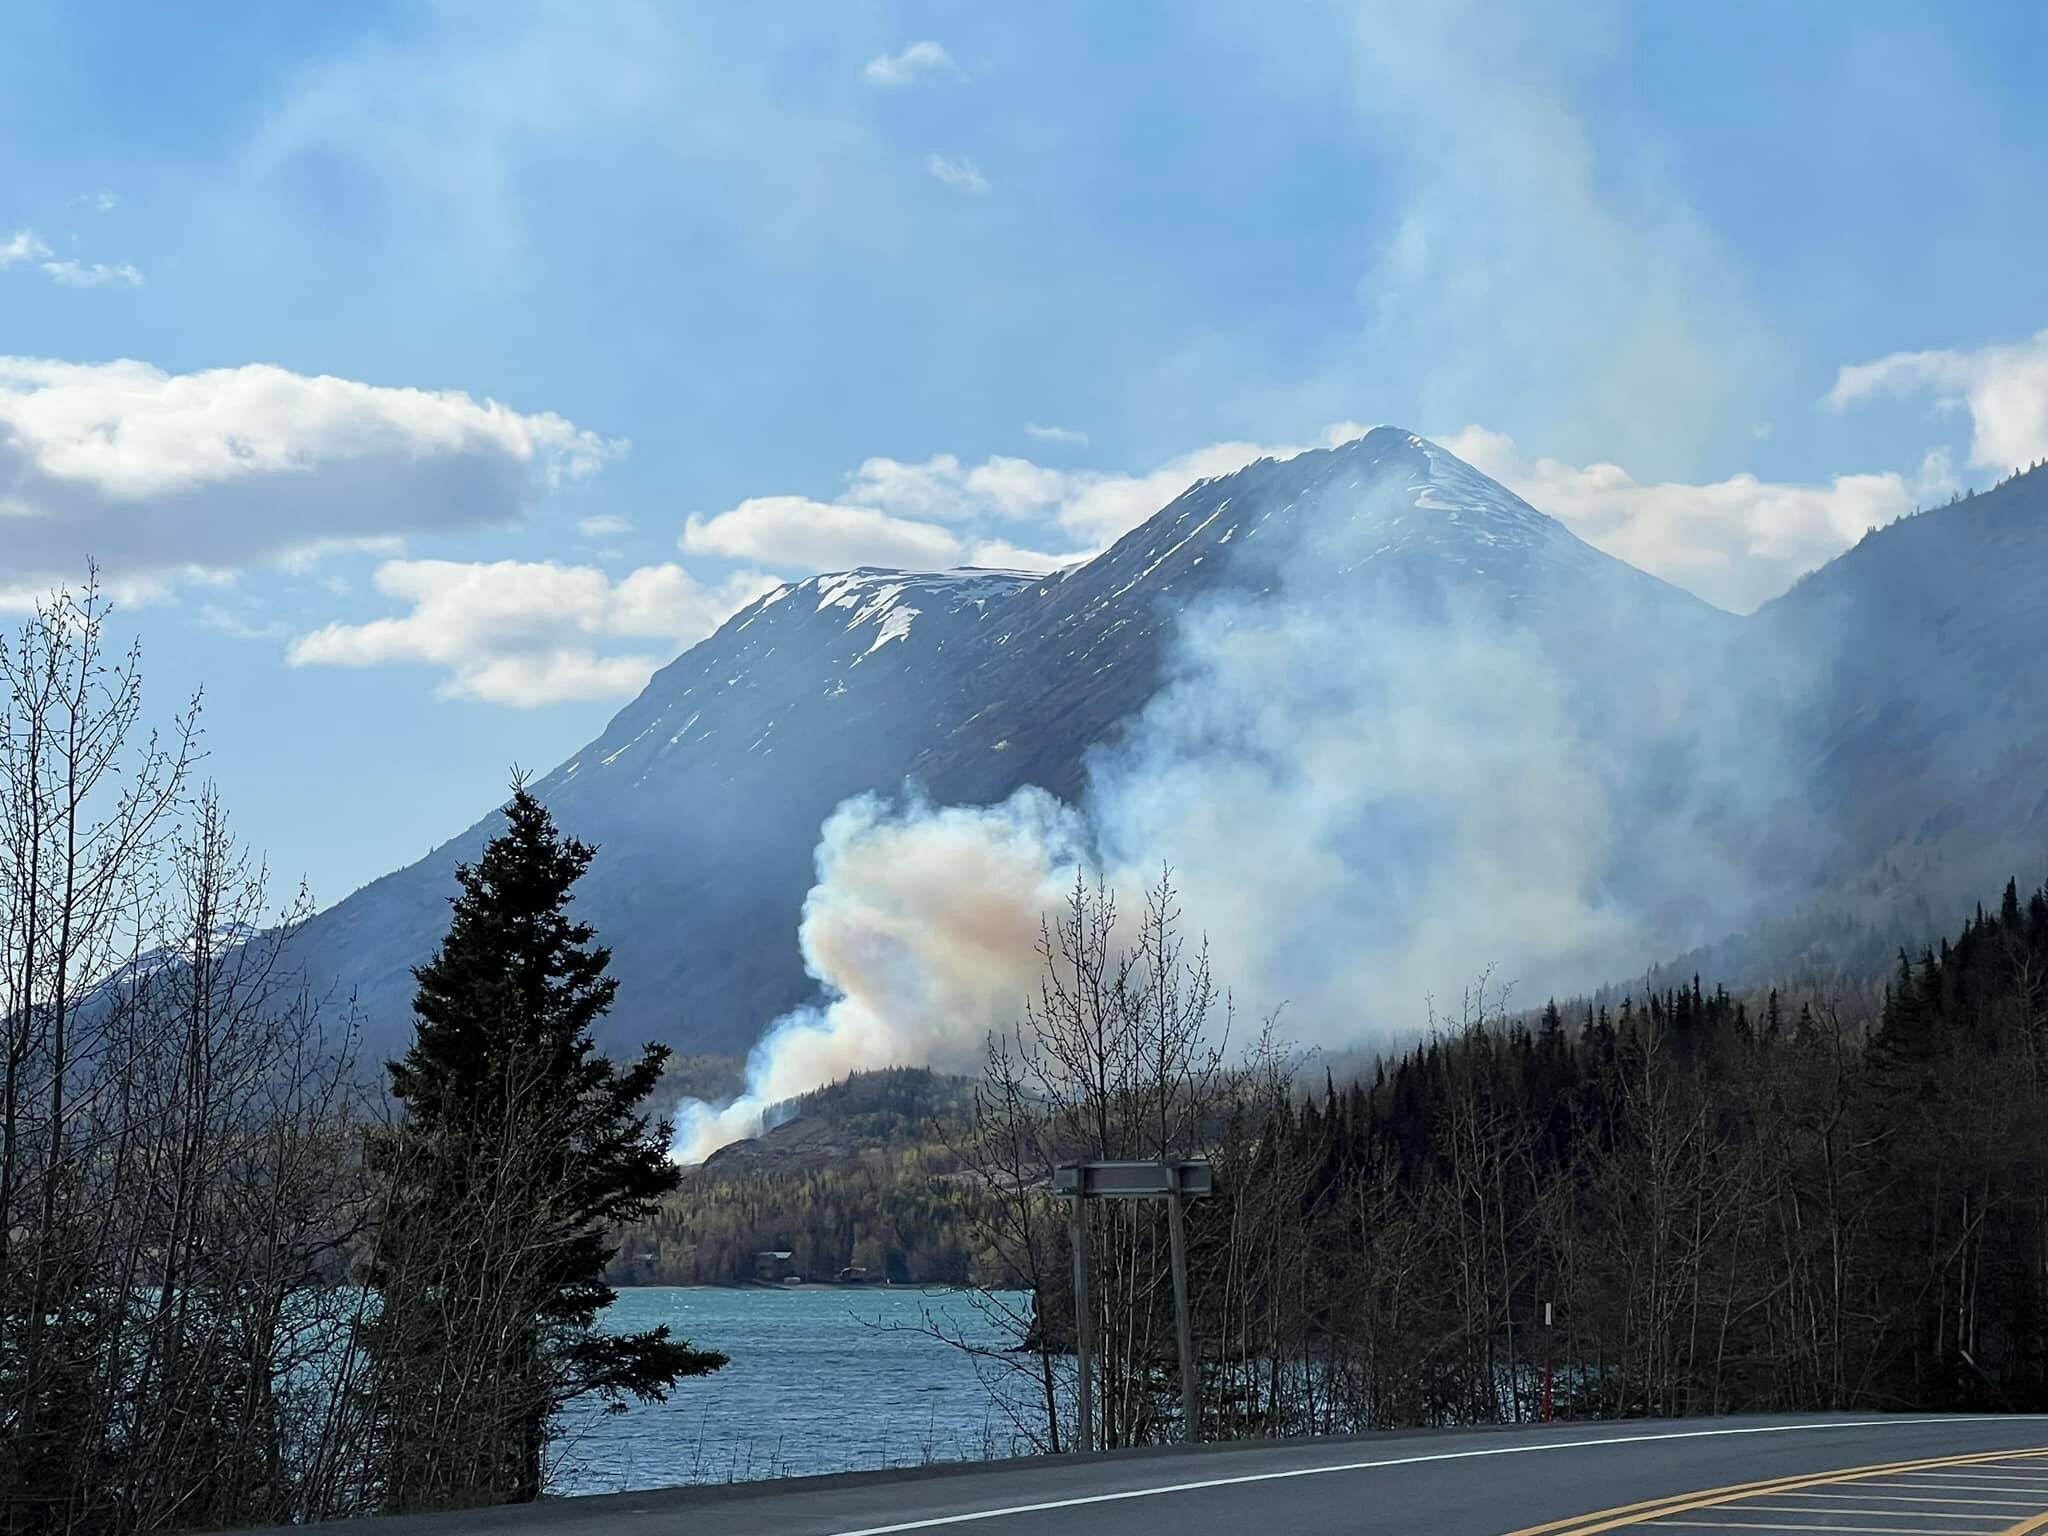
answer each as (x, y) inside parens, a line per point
(1175, 1183)
(1084, 1337)
(1184, 1327)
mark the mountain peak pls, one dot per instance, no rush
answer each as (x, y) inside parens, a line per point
(708, 790)
(1387, 498)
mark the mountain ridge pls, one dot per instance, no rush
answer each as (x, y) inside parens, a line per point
(707, 790)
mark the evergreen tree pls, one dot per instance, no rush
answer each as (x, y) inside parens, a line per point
(521, 1153)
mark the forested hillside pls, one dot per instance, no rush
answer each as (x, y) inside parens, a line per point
(1729, 1203)
(1728, 1207)
(862, 1174)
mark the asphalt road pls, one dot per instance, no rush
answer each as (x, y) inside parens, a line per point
(1894, 1475)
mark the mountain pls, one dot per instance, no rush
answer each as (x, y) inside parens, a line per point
(706, 793)
(1909, 664)
(1388, 518)
(1873, 731)
(695, 794)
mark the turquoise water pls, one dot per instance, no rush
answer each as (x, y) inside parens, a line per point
(827, 1380)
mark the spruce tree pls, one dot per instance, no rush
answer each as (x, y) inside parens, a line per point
(521, 1152)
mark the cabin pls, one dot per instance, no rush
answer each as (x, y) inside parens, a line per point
(775, 1266)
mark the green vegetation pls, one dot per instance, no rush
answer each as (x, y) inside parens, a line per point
(521, 1152)
(1728, 1204)
(236, 1287)
(894, 1107)
(179, 1129)
(1727, 1208)
(891, 1216)
(860, 1175)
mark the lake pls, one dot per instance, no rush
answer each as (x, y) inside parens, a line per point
(821, 1380)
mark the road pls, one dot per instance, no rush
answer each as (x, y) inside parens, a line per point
(1910, 1475)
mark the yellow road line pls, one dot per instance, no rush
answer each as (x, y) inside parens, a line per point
(1643, 1510)
(1751, 1525)
(2027, 1527)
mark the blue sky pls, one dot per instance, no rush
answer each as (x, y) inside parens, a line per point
(423, 375)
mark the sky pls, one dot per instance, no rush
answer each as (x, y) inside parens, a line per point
(421, 376)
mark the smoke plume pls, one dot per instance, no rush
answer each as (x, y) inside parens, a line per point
(1368, 790)
(922, 929)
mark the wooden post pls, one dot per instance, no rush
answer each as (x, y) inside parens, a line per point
(1084, 1332)
(1190, 1385)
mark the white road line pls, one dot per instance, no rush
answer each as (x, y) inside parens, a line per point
(1079, 1500)
(1901, 1498)
(1743, 1506)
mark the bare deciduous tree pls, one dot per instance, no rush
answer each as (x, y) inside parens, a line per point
(178, 1176)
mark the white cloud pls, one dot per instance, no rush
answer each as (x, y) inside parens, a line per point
(120, 591)
(919, 61)
(941, 487)
(1016, 488)
(71, 273)
(2004, 388)
(794, 532)
(304, 559)
(942, 512)
(551, 677)
(958, 171)
(1055, 434)
(99, 202)
(22, 245)
(147, 471)
(933, 489)
(1102, 508)
(1001, 555)
(528, 633)
(1736, 542)
(233, 625)
(66, 271)
(604, 527)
